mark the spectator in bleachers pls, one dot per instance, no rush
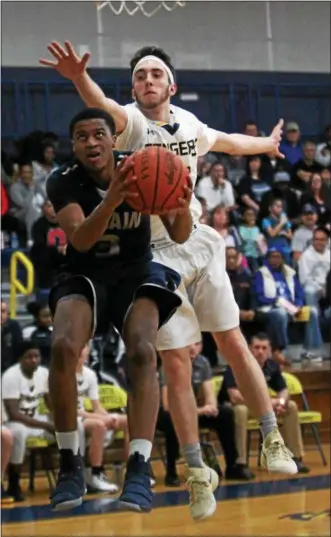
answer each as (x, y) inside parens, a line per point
(323, 150)
(281, 190)
(219, 220)
(251, 128)
(23, 386)
(44, 165)
(291, 147)
(27, 197)
(280, 296)
(303, 235)
(48, 249)
(241, 281)
(253, 185)
(204, 218)
(326, 176)
(272, 165)
(11, 339)
(252, 239)
(314, 266)
(7, 441)
(284, 407)
(236, 166)
(319, 196)
(303, 170)
(278, 230)
(40, 332)
(216, 189)
(211, 416)
(99, 426)
(9, 224)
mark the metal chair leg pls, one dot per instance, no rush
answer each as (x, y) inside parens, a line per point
(248, 446)
(32, 469)
(318, 442)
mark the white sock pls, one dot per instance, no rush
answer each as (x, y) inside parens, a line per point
(143, 447)
(68, 441)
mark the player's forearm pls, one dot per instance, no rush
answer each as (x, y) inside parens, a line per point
(240, 144)
(180, 228)
(90, 92)
(89, 232)
(94, 97)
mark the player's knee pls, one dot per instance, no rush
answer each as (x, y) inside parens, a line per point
(141, 354)
(177, 366)
(65, 353)
(7, 439)
(99, 429)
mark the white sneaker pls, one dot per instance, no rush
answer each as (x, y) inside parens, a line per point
(153, 482)
(275, 455)
(99, 483)
(201, 484)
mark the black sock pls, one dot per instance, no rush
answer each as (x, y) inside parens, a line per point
(97, 470)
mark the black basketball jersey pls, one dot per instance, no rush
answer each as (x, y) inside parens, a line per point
(125, 242)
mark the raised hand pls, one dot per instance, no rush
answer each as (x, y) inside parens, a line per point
(120, 185)
(67, 63)
(276, 138)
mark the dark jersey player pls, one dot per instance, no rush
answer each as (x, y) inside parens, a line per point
(108, 277)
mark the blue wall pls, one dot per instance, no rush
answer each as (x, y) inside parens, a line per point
(38, 98)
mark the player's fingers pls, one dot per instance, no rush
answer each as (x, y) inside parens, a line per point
(48, 63)
(124, 168)
(188, 191)
(189, 182)
(128, 182)
(131, 195)
(70, 50)
(85, 59)
(281, 123)
(55, 52)
(182, 202)
(59, 49)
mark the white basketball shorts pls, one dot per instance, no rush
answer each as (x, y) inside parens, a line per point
(208, 301)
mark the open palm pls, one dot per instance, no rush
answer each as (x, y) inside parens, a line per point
(67, 63)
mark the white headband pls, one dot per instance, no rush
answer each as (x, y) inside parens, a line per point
(155, 59)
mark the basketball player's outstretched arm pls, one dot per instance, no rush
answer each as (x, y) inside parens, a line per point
(83, 232)
(71, 66)
(241, 144)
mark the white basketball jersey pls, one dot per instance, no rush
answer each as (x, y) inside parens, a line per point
(185, 135)
(28, 391)
(87, 386)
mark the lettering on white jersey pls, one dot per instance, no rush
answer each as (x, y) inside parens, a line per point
(182, 149)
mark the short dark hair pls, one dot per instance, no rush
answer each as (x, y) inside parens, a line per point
(152, 51)
(92, 113)
(323, 230)
(26, 346)
(261, 336)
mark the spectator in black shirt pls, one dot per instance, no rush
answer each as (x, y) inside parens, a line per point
(49, 244)
(272, 165)
(253, 185)
(11, 339)
(319, 196)
(284, 408)
(303, 170)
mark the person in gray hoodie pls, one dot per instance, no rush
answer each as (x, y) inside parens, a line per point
(27, 198)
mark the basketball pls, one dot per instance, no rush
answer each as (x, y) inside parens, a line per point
(161, 176)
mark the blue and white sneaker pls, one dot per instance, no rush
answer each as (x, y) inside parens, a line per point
(70, 486)
(137, 493)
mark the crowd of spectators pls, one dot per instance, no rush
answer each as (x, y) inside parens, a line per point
(274, 217)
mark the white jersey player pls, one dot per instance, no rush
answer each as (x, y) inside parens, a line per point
(208, 302)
